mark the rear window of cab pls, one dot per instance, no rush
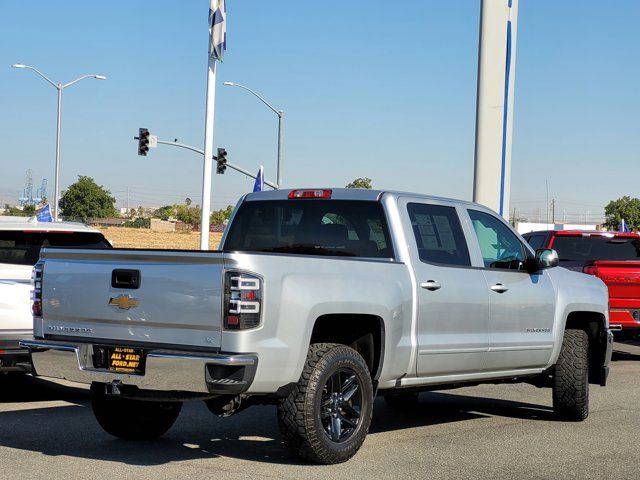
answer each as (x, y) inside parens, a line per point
(348, 228)
(596, 247)
(23, 247)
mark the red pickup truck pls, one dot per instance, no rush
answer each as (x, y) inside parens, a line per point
(614, 257)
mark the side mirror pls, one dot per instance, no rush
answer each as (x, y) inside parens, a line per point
(547, 258)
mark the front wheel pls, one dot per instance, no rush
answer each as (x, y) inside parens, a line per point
(326, 417)
(571, 377)
(131, 419)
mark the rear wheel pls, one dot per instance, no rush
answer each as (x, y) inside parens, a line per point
(571, 377)
(326, 417)
(131, 419)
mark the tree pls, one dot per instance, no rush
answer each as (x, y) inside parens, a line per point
(625, 207)
(220, 216)
(190, 215)
(86, 199)
(10, 211)
(165, 213)
(361, 183)
(138, 223)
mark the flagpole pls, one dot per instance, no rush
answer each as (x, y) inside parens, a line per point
(208, 154)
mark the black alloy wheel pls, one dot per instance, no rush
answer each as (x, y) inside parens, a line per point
(341, 405)
(326, 417)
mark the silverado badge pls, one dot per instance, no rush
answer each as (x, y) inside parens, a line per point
(124, 302)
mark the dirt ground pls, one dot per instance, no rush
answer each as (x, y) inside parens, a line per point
(145, 238)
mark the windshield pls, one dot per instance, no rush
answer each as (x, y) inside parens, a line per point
(23, 247)
(313, 227)
(596, 247)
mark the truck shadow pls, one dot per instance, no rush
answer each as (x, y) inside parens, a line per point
(68, 427)
(18, 387)
(438, 407)
(628, 350)
(619, 355)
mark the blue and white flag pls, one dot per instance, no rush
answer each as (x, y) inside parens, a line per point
(623, 227)
(259, 185)
(217, 29)
(44, 215)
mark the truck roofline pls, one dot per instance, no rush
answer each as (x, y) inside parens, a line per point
(586, 233)
(351, 194)
(31, 226)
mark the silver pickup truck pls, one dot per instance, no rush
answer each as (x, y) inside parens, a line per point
(318, 300)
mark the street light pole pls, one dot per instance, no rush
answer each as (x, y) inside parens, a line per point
(280, 114)
(59, 87)
(56, 193)
(280, 142)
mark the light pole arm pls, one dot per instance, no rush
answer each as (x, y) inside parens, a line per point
(229, 164)
(75, 81)
(277, 112)
(42, 75)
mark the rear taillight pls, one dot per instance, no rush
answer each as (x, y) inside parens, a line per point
(590, 270)
(242, 301)
(36, 292)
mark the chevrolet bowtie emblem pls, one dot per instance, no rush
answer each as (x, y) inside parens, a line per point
(124, 302)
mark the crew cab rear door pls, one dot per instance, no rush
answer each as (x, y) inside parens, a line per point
(453, 301)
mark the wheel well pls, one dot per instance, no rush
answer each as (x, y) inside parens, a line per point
(363, 333)
(594, 324)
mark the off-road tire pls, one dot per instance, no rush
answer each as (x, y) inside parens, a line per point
(401, 401)
(131, 419)
(299, 414)
(571, 377)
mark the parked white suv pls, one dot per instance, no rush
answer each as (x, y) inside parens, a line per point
(20, 241)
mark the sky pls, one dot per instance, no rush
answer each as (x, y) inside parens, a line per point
(379, 89)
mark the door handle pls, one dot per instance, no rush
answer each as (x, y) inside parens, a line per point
(430, 285)
(498, 287)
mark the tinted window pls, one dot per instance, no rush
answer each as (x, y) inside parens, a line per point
(438, 234)
(23, 247)
(536, 241)
(311, 227)
(500, 247)
(596, 247)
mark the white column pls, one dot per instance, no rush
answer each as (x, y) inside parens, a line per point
(494, 107)
(208, 154)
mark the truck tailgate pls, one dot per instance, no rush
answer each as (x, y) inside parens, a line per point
(177, 302)
(622, 278)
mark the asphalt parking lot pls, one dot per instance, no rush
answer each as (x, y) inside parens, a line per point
(47, 430)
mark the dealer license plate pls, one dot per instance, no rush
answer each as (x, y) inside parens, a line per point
(126, 360)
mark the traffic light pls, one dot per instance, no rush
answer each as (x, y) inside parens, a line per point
(143, 142)
(222, 161)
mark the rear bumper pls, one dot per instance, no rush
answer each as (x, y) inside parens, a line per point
(623, 318)
(165, 370)
(13, 358)
(10, 339)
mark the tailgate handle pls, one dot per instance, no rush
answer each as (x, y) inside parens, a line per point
(125, 279)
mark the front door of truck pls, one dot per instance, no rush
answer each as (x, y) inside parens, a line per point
(522, 305)
(452, 299)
